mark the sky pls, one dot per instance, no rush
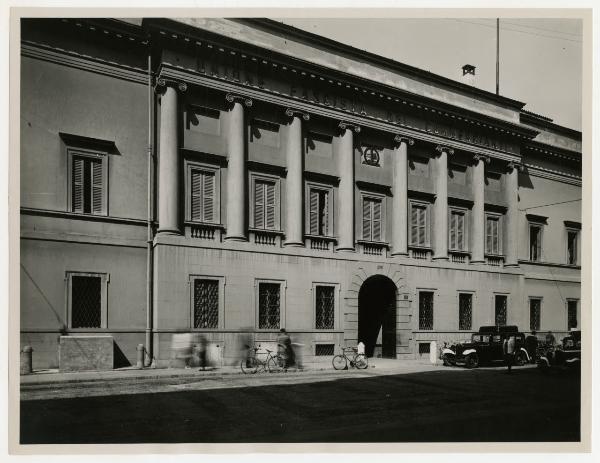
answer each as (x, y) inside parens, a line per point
(540, 59)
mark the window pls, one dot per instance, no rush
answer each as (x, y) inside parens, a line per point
(324, 350)
(87, 183)
(572, 240)
(500, 309)
(372, 219)
(202, 198)
(319, 207)
(535, 243)
(206, 303)
(324, 307)
(457, 230)
(265, 204)
(424, 348)
(425, 310)
(465, 311)
(572, 314)
(269, 305)
(493, 243)
(87, 300)
(535, 313)
(419, 225)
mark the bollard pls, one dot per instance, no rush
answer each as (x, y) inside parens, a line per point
(140, 356)
(26, 360)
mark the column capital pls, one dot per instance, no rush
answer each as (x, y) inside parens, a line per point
(481, 157)
(515, 165)
(442, 148)
(162, 83)
(291, 112)
(398, 139)
(231, 97)
(348, 125)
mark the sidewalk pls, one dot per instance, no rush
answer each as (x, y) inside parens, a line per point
(45, 377)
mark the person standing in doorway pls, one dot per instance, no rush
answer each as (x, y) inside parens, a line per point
(509, 352)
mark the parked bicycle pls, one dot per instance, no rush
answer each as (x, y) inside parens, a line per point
(350, 355)
(272, 363)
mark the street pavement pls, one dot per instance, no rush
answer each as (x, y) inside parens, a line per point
(409, 403)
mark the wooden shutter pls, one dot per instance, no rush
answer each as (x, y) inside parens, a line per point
(422, 226)
(460, 231)
(376, 220)
(366, 219)
(97, 186)
(488, 235)
(77, 185)
(259, 205)
(414, 232)
(495, 247)
(314, 212)
(208, 200)
(270, 205)
(196, 199)
(324, 198)
(453, 220)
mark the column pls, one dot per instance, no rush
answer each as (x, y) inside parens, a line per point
(441, 204)
(236, 169)
(169, 165)
(511, 242)
(478, 216)
(400, 197)
(294, 184)
(346, 188)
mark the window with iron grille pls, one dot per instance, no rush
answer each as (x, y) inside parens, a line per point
(202, 196)
(371, 219)
(325, 307)
(424, 348)
(269, 305)
(87, 185)
(535, 243)
(493, 244)
(465, 311)
(265, 204)
(572, 238)
(535, 313)
(425, 310)
(419, 225)
(322, 350)
(319, 211)
(500, 309)
(206, 303)
(457, 230)
(572, 315)
(86, 301)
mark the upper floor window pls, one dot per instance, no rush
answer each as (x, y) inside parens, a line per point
(88, 183)
(419, 224)
(458, 230)
(372, 218)
(319, 207)
(265, 202)
(535, 242)
(202, 198)
(572, 247)
(493, 237)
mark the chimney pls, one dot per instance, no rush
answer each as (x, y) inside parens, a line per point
(468, 74)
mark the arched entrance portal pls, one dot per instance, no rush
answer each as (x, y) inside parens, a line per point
(377, 316)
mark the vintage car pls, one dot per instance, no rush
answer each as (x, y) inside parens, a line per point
(564, 356)
(485, 346)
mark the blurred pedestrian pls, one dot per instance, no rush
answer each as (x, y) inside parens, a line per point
(509, 352)
(284, 347)
(531, 344)
(202, 352)
(360, 348)
(550, 339)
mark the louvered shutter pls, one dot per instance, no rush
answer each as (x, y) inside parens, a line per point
(269, 205)
(376, 221)
(259, 205)
(366, 219)
(453, 219)
(460, 232)
(96, 166)
(414, 233)
(77, 187)
(208, 199)
(495, 241)
(488, 236)
(196, 200)
(422, 227)
(324, 198)
(314, 212)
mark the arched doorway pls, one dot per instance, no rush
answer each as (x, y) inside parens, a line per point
(377, 316)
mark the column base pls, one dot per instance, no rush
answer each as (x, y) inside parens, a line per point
(235, 238)
(511, 265)
(294, 244)
(168, 231)
(479, 261)
(345, 250)
(399, 253)
(440, 258)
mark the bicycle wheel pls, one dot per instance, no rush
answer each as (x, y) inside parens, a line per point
(361, 362)
(339, 362)
(274, 365)
(249, 365)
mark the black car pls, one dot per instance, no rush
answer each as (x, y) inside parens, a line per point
(486, 346)
(566, 355)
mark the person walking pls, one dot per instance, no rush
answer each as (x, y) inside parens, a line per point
(284, 347)
(531, 344)
(550, 339)
(509, 352)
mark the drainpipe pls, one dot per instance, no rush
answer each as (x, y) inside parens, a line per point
(148, 360)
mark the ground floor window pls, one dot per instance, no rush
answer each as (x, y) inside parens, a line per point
(500, 309)
(572, 315)
(465, 311)
(424, 348)
(269, 306)
(324, 307)
(535, 314)
(425, 310)
(206, 303)
(324, 350)
(87, 301)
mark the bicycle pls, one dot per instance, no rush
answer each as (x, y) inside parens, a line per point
(340, 361)
(252, 364)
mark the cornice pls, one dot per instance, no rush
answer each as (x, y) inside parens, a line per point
(195, 78)
(84, 62)
(543, 172)
(561, 153)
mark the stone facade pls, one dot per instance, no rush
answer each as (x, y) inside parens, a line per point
(278, 179)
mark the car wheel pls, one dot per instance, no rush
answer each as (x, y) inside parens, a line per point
(447, 360)
(520, 359)
(472, 361)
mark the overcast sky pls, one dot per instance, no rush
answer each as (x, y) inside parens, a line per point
(540, 59)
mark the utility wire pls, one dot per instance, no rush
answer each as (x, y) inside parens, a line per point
(551, 204)
(542, 29)
(516, 30)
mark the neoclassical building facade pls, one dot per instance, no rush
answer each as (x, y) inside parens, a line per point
(227, 178)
